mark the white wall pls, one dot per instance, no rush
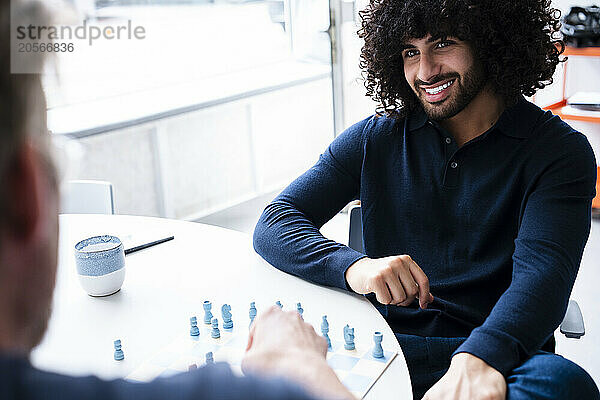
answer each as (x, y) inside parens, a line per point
(565, 5)
(193, 164)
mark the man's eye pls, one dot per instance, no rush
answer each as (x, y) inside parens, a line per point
(410, 53)
(444, 43)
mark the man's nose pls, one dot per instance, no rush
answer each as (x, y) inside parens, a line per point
(428, 68)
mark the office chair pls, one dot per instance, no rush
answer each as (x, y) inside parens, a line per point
(572, 325)
(88, 197)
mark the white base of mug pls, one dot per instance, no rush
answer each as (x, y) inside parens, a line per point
(103, 285)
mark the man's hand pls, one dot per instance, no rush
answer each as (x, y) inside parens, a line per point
(281, 343)
(468, 377)
(396, 280)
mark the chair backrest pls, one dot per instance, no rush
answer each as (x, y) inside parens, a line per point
(355, 236)
(572, 325)
(88, 197)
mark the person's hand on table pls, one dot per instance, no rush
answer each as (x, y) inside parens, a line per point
(396, 280)
(281, 343)
(468, 377)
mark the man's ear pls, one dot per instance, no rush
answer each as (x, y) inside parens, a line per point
(23, 193)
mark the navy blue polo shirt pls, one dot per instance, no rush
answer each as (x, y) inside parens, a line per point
(19, 380)
(498, 225)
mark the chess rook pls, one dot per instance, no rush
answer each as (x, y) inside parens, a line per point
(377, 349)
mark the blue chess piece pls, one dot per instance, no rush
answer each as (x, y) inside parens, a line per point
(300, 309)
(252, 312)
(119, 355)
(325, 331)
(278, 303)
(215, 333)
(194, 331)
(207, 314)
(349, 338)
(209, 358)
(226, 312)
(377, 350)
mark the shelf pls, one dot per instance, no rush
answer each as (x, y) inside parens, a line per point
(582, 51)
(596, 200)
(570, 113)
(564, 112)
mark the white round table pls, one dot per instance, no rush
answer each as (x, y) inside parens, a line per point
(166, 284)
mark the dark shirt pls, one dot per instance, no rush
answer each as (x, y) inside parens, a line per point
(19, 380)
(498, 225)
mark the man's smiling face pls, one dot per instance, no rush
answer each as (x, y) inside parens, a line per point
(443, 73)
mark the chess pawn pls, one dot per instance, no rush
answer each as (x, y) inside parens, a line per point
(226, 312)
(377, 349)
(300, 309)
(215, 333)
(325, 325)
(278, 304)
(252, 312)
(119, 355)
(209, 358)
(325, 331)
(194, 331)
(349, 338)
(207, 305)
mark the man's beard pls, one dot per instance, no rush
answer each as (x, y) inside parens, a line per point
(467, 88)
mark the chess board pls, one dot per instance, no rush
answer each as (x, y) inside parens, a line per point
(357, 369)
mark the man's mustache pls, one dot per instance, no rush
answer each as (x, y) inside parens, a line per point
(435, 79)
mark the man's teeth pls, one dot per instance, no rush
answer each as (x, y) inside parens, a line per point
(438, 89)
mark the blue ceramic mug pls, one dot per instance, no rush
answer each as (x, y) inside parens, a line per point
(100, 264)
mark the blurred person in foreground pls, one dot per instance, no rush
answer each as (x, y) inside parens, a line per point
(476, 204)
(282, 348)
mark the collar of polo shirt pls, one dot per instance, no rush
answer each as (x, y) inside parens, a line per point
(516, 121)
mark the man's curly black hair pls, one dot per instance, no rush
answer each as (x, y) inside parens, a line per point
(516, 42)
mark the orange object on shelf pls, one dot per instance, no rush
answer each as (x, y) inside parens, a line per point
(565, 112)
(582, 51)
(596, 201)
(562, 110)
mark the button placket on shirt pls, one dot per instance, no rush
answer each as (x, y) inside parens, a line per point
(452, 170)
(454, 162)
(452, 165)
(450, 149)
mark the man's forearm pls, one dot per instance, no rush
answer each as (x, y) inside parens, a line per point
(287, 233)
(290, 241)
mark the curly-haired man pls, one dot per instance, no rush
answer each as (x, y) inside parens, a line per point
(476, 204)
